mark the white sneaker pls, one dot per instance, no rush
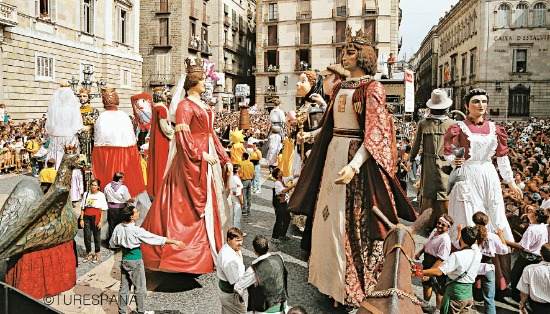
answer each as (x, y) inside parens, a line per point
(149, 312)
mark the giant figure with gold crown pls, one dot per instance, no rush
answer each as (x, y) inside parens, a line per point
(190, 204)
(351, 169)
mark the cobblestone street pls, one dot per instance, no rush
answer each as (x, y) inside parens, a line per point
(190, 294)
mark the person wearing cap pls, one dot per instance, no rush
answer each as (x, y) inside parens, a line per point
(435, 169)
(334, 74)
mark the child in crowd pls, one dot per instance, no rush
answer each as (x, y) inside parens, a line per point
(47, 175)
(436, 250)
(130, 237)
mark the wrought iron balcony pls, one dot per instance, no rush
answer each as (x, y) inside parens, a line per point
(161, 79)
(8, 14)
(303, 15)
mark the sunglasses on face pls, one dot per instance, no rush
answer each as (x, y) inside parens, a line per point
(442, 224)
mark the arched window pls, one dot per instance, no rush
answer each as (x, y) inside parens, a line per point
(504, 15)
(521, 15)
(518, 104)
(539, 15)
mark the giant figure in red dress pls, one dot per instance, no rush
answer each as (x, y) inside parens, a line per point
(159, 143)
(190, 204)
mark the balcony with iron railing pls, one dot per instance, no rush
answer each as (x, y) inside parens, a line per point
(229, 45)
(303, 15)
(227, 21)
(270, 89)
(8, 14)
(271, 18)
(303, 40)
(161, 79)
(271, 43)
(195, 14)
(302, 66)
(338, 39)
(340, 13)
(270, 68)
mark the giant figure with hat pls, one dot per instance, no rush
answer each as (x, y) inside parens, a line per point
(350, 170)
(190, 204)
(435, 169)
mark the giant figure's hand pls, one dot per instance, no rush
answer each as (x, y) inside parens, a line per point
(514, 189)
(300, 137)
(209, 158)
(346, 174)
(318, 99)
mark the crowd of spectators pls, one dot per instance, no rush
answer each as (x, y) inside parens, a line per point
(14, 140)
(259, 123)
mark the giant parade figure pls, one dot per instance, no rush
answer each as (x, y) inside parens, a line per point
(115, 150)
(89, 116)
(63, 121)
(190, 204)
(159, 143)
(350, 170)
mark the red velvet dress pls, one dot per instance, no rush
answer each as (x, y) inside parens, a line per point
(158, 150)
(186, 207)
(44, 272)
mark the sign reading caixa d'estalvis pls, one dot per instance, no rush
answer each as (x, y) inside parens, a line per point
(522, 37)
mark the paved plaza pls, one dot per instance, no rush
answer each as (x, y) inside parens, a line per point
(97, 284)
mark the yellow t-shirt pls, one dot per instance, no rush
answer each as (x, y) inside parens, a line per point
(248, 170)
(48, 175)
(256, 155)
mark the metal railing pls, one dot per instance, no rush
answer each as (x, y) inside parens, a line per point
(162, 79)
(303, 15)
(303, 41)
(271, 43)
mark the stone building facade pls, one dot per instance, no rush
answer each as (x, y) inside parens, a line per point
(234, 52)
(425, 64)
(47, 42)
(502, 47)
(171, 31)
(296, 35)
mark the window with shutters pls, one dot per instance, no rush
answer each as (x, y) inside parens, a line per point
(44, 68)
(338, 55)
(504, 13)
(464, 66)
(454, 72)
(164, 6)
(304, 34)
(340, 32)
(163, 65)
(125, 78)
(521, 15)
(370, 28)
(520, 61)
(518, 101)
(272, 12)
(272, 39)
(473, 62)
(88, 16)
(45, 9)
(226, 9)
(539, 15)
(164, 32)
(121, 25)
(271, 61)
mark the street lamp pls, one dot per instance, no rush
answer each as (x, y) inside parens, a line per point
(87, 83)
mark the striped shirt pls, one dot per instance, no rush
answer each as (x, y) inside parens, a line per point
(534, 282)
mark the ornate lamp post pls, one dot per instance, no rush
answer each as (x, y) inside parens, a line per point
(87, 83)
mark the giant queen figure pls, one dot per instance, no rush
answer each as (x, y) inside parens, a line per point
(190, 204)
(350, 170)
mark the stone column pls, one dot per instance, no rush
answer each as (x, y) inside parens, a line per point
(110, 19)
(136, 25)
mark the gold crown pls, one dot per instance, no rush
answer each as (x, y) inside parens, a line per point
(194, 65)
(64, 85)
(70, 148)
(360, 37)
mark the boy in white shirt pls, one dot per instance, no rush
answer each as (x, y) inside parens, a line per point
(236, 190)
(230, 267)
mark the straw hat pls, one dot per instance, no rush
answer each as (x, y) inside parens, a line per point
(439, 100)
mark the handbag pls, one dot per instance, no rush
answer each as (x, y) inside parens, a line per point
(43, 151)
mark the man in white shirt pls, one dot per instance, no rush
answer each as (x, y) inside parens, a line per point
(236, 190)
(461, 269)
(230, 267)
(533, 284)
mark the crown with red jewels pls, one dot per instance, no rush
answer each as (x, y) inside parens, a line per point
(360, 37)
(194, 65)
(71, 148)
